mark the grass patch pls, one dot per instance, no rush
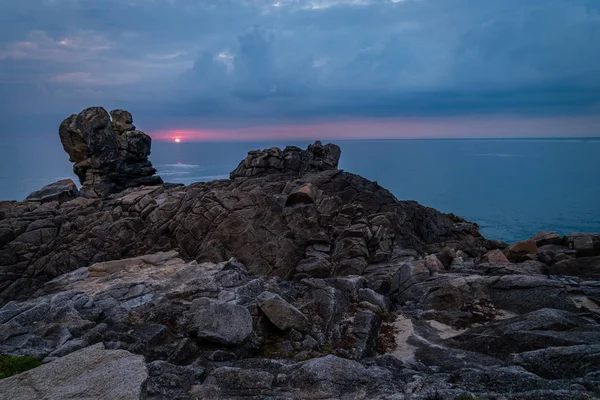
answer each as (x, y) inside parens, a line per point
(13, 365)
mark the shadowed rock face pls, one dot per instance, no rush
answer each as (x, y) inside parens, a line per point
(109, 156)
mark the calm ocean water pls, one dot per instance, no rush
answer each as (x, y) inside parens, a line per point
(511, 188)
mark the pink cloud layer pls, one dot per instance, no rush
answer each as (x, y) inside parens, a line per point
(407, 128)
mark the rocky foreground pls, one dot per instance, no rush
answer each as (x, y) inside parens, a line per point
(291, 280)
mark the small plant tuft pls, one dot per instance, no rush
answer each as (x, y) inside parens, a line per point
(13, 365)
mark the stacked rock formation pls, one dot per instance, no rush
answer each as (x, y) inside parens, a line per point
(292, 280)
(292, 160)
(109, 156)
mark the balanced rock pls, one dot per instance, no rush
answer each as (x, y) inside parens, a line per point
(109, 156)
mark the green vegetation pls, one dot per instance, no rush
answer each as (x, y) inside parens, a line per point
(12, 365)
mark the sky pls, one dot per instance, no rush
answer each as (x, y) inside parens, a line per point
(258, 69)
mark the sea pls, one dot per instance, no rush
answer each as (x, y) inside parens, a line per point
(512, 188)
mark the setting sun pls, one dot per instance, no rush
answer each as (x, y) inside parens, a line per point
(177, 140)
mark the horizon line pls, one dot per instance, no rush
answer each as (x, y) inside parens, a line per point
(225, 140)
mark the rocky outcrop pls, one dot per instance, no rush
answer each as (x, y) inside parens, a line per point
(295, 280)
(321, 224)
(109, 156)
(216, 331)
(291, 160)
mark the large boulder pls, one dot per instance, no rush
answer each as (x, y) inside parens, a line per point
(334, 377)
(518, 250)
(281, 313)
(109, 156)
(546, 238)
(60, 191)
(521, 293)
(220, 322)
(91, 373)
(495, 256)
(533, 331)
(560, 362)
(585, 244)
(585, 267)
(231, 383)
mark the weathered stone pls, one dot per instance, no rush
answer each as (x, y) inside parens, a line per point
(585, 244)
(586, 267)
(334, 377)
(536, 330)
(560, 362)
(407, 275)
(433, 264)
(60, 191)
(374, 298)
(171, 381)
(228, 382)
(91, 373)
(519, 249)
(281, 313)
(524, 293)
(446, 256)
(305, 194)
(220, 322)
(495, 256)
(122, 121)
(292, 160)
(546, 238)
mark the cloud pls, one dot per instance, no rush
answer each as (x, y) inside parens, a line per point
(293, 60)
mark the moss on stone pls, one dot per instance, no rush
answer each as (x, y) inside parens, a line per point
(13, 365)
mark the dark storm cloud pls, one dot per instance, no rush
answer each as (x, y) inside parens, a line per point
(292, 59)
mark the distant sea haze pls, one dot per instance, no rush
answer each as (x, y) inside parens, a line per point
(513, 188)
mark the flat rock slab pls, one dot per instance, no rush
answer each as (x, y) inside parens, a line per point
(90, 373)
